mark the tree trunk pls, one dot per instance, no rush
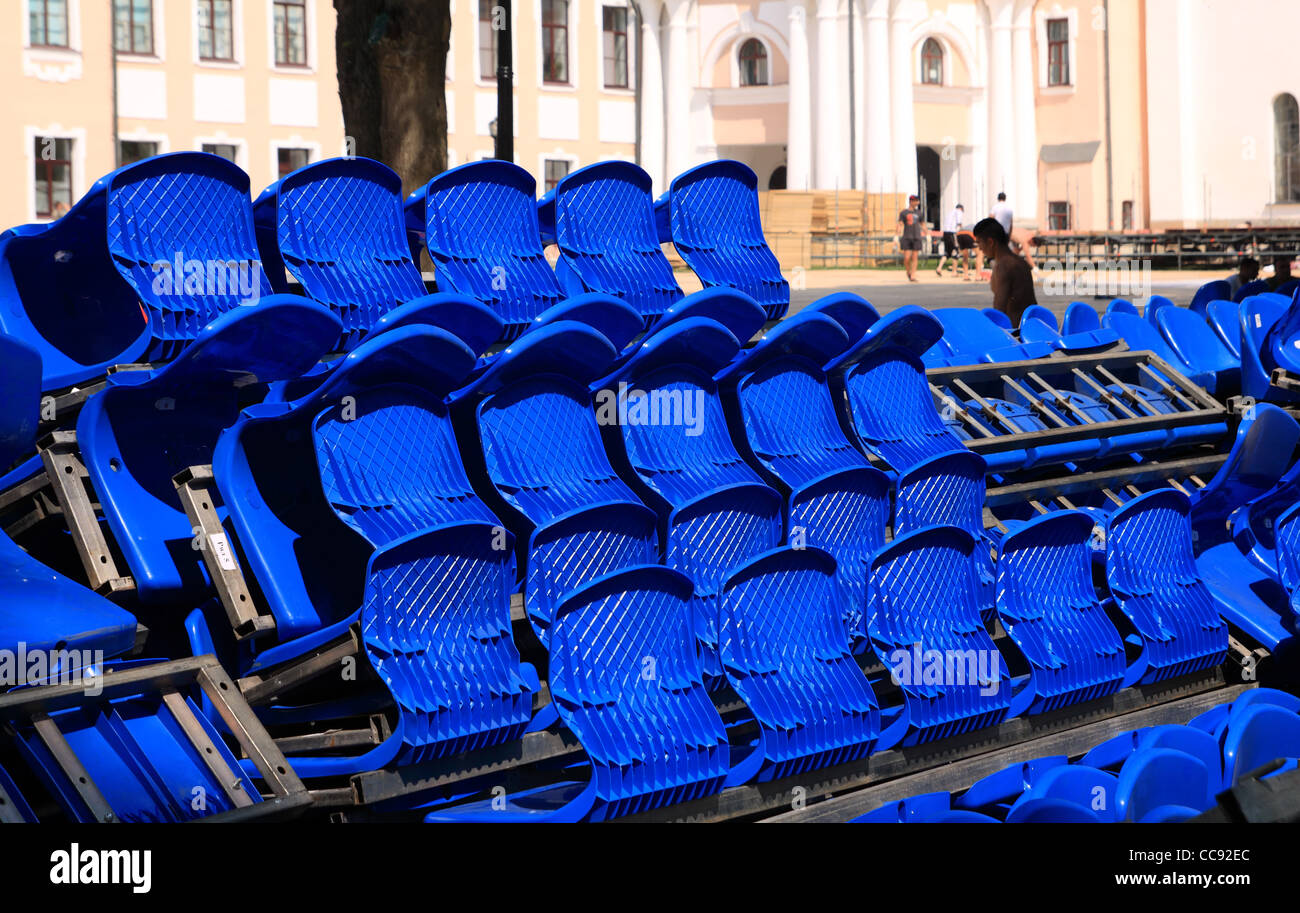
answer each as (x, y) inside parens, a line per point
(392, 64)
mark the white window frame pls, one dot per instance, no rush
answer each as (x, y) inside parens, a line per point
(573, 61)
(293, 142)
(478, 57)
(56, 131)
(159, 54)
(220, 139)
(1041, 19)
(237, 39)
(313, 55)
(734, 56)
(634, 26)
(919, 62)
(143, 135)
(556, 155)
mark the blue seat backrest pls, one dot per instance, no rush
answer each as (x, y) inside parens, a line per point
(339, 228)
(1224, 318)
(186, 211)
(1081, 317)
(1122, 306)
(479, 222)
(1258, 314)
(1193, 341)
(605, 228)
(785, 651)
(1141, 335)
(1214, 290)
(1155, 304)
(20, 400)
(714, 223)
(1038, 312)
(944, 490)
(1250, 289)
(652, 739)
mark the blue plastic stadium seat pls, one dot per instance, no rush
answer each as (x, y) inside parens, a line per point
(602, 218)
(338, 227)
(998, 317)
(948, 490)
(1142, 336)
(973, 338)
(785, 652)
(1163, 785)
(1256, 735)
(1155, 304)
(529, 420)
(661, 414)
(40, 608)
(1038, 312)
(1120, 306)
(853, 313)
(1214, 290)
(146, 426)
(782, 412)
(924, 623)
(1258, 314)
(930, 808)
(1081, 317)
(1196, 346)
(1067, 793)
(1224, 318)
(1047, 603)
(479, 224)
(1250, 289)
(710, 214)
(352, 506)
(152, 254)
(135, 753)
(1005, 786)
(1287, 531)
(651, 739)
(1153, 578)
(889, 403)
(1034, 331)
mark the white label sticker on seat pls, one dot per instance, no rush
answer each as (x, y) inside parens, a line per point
(1257, 324)
(221, 548)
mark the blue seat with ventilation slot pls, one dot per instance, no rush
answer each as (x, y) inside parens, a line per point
(1154, 580)
(628, 683)
(1224, 318)
(339, 228)
(782, 414)
(1047, 603)
(785, 653)
(710, 214)
(528, 425)
(924, 623)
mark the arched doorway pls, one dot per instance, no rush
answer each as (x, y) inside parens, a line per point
(777, 180)
(927, 172)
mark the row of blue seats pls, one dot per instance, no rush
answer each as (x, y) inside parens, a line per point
(1154, 774)
(157, 250)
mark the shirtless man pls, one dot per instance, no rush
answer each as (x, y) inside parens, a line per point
(1013, 281)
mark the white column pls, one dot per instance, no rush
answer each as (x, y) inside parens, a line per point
(830, 89)
(652, 96)
(1024, 77)
(904, 119)
(1002, 130)
(858, 164)
(877, 126)
(798, 150)
(678, 89)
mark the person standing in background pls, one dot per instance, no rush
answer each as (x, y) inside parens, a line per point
(1003, 212)
(951, 225)
(908, 234)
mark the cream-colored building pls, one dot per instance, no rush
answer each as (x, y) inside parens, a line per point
(1088, 114)
(252, 80)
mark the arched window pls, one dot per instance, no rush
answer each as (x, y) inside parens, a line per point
(753, 63)
(1286, 127)
(932, 63)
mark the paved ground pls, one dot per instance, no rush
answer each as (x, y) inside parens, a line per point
(889, 289)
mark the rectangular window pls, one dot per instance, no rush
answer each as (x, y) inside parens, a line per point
(228, 151)
(1058, 216)
(615, 43)
(47, 23)
(133, 26)
(53, 176)
(1058, 52)
(292, 159)
(555, 41)
(131, 151)
(487, 41)
(291, 33)
(555, 171)
(1126, 215)
(216, 30)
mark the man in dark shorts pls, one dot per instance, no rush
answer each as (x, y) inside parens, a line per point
(966, 244)
(1013, 280)
(908, 232)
